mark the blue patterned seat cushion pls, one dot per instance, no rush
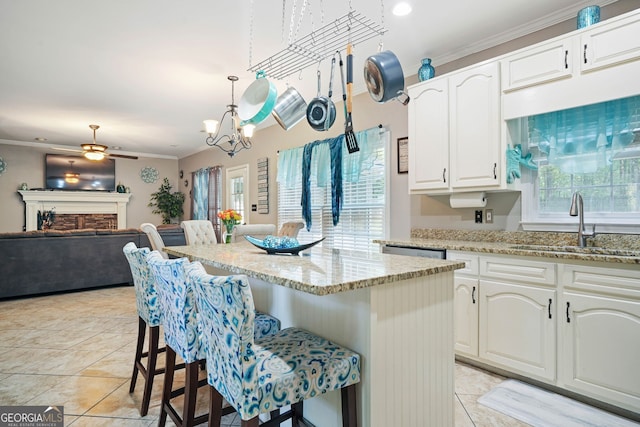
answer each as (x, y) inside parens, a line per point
(147, 302)
(179, 319)
(257, 376)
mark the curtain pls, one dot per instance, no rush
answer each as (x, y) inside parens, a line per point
(206, 196)
(324, 161)
(583, 139)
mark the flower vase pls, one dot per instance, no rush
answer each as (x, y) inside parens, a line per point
(227, 235)
(426, 70)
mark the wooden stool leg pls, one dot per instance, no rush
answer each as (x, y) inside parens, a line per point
(215, 407)
(298, 413)
(142, 328)
(190, 393)
(168, 385)
(349, 407)
(154, 334)
(253, 422)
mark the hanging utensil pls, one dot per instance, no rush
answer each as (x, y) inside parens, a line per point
(318, 109)
(344, 90)
(331, 113)
(350, 137)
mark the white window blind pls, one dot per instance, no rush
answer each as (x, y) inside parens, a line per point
(362, 218)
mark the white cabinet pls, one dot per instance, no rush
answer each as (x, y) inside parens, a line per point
(588, 66)
(600, 334)
(539, 64)
(474, 113)
(517, 316)
(454, 132)
(466, 292)
(429, 136)
(610, 43)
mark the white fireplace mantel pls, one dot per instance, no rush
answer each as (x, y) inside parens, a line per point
(74, 202)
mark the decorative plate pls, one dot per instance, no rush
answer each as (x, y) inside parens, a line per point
(3, 165)
(294, 251)
(149, 174)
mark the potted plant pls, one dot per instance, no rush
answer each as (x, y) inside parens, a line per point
(166, 203)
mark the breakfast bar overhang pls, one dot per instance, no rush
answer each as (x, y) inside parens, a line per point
(396, 311)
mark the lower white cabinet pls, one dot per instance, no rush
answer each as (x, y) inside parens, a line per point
(518, 328)
(599, 325)
(574, 325)
(466, 315)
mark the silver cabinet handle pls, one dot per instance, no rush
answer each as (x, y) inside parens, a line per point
(585, 54)
(473, 295)
(550, 308)
(495, 167)
(566, 56)
(444, 173)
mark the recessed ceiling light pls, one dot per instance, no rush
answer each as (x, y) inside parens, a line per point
(402, 9)
(116, 147)
(40, 139)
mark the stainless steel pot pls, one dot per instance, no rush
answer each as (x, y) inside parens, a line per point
(290, 108)
(384, 78)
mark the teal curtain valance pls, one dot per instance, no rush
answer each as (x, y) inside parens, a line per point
(583, 139)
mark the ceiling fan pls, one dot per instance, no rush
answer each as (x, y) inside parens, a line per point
(95, 151)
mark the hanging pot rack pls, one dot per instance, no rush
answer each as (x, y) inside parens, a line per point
(320, 44)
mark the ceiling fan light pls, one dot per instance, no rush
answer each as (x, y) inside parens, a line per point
(94, 155)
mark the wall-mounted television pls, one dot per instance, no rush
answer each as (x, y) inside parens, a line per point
(64, 172)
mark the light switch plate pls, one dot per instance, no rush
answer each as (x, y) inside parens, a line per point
(489, 216)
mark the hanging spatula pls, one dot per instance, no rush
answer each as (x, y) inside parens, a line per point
(349, 135)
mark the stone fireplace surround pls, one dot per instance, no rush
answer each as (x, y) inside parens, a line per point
(94, 203)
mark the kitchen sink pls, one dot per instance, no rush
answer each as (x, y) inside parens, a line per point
(577, 249)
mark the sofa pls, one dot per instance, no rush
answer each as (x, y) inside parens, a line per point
(43, 262)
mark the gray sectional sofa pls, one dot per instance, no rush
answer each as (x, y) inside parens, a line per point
(42, 262)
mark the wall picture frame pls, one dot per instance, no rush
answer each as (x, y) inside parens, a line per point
(403, 155)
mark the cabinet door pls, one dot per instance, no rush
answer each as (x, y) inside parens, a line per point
(429, 136)
(517, 328)
(610, 43)
(466, 315)
(475, 127)
(540, 64)
(601, 348)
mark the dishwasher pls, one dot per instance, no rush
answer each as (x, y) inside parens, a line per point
(414, 251)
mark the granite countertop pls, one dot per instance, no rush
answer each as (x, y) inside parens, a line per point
(319, 271)
(606, 247)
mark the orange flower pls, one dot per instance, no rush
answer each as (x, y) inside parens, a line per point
(230, 216)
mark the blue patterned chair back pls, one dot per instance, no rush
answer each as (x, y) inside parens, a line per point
(179, 318)
(144, 284)
(227, 323)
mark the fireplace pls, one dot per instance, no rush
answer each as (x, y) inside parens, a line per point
(77, 209)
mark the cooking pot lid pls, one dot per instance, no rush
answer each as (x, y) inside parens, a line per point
(374, 81)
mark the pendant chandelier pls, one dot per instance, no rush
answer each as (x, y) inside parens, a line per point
(238, 138)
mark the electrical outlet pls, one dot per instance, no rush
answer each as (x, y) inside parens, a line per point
(478, 217)
(488, 216)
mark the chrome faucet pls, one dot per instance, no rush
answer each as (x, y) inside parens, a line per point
(577, 209)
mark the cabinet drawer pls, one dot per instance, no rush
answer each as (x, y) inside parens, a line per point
(545, 63)
(516, 270)
(470, 262)
(610, 281)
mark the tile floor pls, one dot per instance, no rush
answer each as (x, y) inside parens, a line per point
(77, 350)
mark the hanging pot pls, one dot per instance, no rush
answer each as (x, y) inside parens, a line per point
(384, 78)
(290, 108)
(257, 101)
(321, 112)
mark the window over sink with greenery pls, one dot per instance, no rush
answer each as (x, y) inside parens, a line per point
(594, 149)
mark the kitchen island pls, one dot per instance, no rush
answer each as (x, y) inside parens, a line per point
(396, 311)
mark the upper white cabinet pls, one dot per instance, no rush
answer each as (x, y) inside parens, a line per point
(611, 43)
(591, 65)
(454, 132)
(429, 136)
(539, 64)
(474, 113)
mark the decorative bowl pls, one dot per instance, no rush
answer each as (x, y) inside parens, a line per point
(292, 250)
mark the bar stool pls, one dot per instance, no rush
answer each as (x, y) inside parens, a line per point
(183, 338)
(261, 375)
(148, 317)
